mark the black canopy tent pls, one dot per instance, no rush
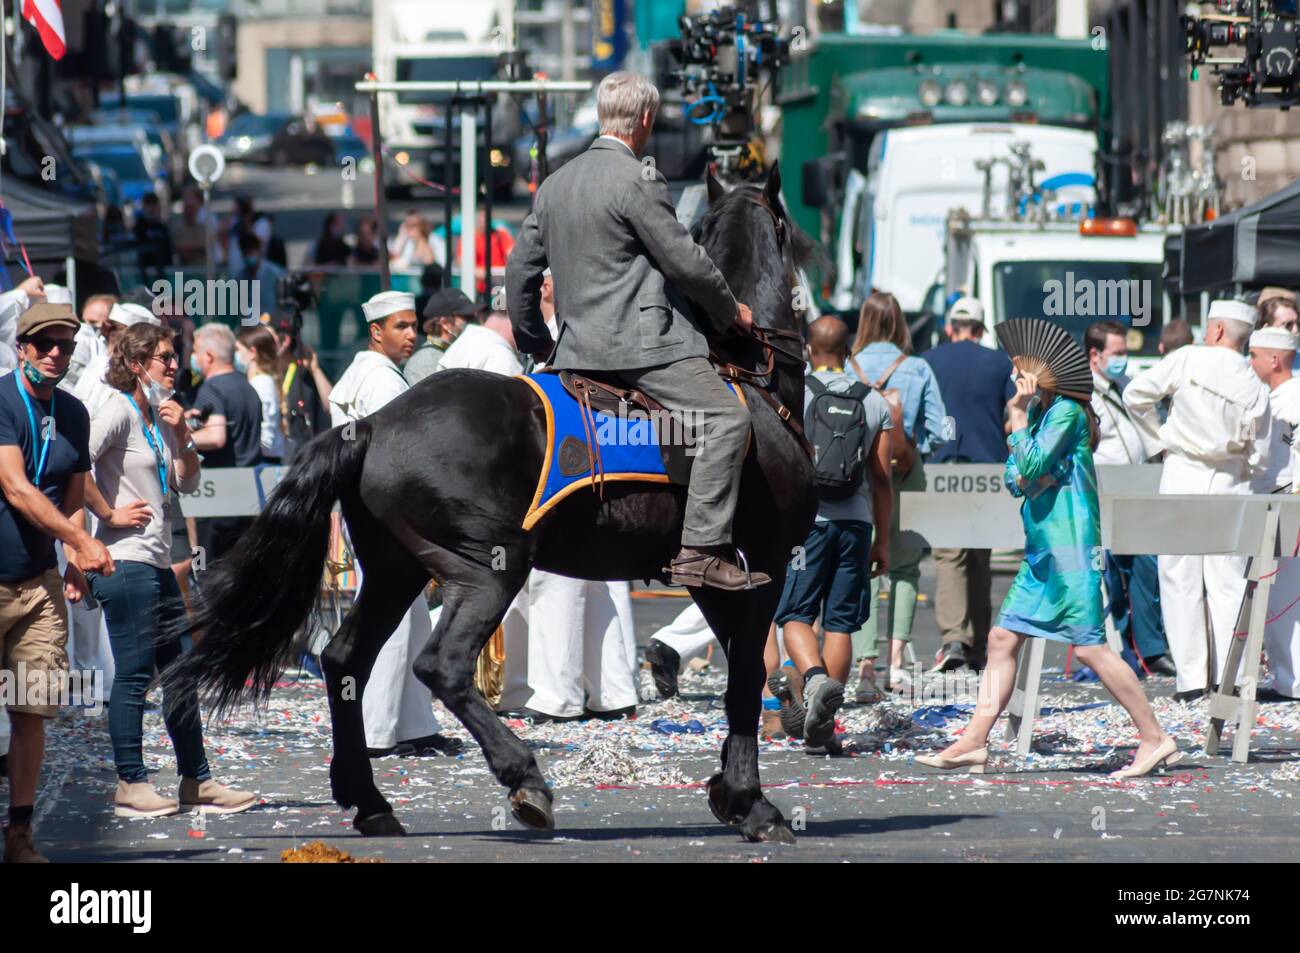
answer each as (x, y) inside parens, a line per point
(50, 226)
(1258, 244)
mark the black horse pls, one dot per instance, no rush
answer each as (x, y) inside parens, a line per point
(437, 484)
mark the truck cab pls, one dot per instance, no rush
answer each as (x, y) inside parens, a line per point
(438, 40)
(1072, 273)
(891, 231)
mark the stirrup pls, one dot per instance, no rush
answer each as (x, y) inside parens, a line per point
(744, 567)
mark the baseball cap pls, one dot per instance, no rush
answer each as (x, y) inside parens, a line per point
(966, 308)
(446, 302)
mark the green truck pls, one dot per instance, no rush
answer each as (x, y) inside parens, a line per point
(880, 212)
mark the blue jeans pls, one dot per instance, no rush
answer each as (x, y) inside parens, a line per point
(139, 601)
(1133, 584)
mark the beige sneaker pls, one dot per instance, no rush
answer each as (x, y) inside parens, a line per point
(139, 799)
(209, 797)
(19, 848)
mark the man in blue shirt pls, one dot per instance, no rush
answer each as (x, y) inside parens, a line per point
(44, 458)
(976, 384)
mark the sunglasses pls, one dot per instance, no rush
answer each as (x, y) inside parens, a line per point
(45, 343)
(171, 358)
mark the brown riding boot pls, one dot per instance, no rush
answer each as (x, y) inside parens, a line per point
(19, 848)
(694, 567)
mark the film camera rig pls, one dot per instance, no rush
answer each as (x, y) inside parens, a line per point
(722, 57)
(1269, 72)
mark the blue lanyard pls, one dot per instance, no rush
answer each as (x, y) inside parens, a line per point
(31, 419)
(160, 457)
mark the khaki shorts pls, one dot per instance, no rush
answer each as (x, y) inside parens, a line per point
(34, 630)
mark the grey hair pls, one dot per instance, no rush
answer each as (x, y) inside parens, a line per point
(622, 98)
(1236, 331)
(218, 340)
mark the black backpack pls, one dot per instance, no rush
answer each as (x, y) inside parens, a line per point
(836, 425)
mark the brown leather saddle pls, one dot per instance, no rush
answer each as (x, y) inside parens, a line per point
(596, 396)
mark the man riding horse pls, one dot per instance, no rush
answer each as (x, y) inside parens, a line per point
(623, 266)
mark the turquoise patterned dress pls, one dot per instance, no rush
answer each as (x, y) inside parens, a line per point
(1057, 593)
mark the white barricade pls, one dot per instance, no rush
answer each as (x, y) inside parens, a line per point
(966, 506)
(237, 491)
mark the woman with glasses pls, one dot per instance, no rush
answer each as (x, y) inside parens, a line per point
(141, 450)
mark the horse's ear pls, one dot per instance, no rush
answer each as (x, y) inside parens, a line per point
(773, 188)
(716, 189)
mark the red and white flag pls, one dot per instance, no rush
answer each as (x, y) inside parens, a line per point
(47, 17)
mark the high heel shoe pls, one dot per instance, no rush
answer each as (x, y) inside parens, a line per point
(976, 760)
(1166, 754)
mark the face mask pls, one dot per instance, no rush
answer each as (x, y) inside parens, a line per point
(155, 393)
(241, 365)
(194, 365)
(1117, 366)
(37, 379)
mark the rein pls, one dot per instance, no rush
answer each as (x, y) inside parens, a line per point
(743, 375)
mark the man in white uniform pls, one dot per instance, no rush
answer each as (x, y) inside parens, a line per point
(1132, 582)
(489, 346)
(397, 707)
(570, 644)
(1272, 354)
(91, 341)
(90, 388)
(1215, 440)
(12, 304)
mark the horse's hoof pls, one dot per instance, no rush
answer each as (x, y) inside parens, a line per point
(717, 804)
(532, 808)
(776, 833)
(380, 825)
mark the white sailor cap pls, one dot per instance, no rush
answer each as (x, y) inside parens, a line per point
(1276, 339)
(386, 303)
(1226, 309)
(127, 314)
(57, 294)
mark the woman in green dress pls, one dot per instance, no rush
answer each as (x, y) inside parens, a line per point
(1057, 593)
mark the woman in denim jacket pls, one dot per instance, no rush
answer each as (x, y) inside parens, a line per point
(882, 349)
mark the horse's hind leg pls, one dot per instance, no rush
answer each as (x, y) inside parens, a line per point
(391, 582)
(741, 621)
(475, 600)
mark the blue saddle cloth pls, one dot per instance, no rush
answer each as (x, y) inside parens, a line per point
(629, 447)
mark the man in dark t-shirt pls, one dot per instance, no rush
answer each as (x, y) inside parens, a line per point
(975, 383)
(44, 458)
(228, 414)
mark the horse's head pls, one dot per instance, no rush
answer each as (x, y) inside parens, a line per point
(759, 250)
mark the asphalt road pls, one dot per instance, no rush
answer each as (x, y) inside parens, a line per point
(632, 790)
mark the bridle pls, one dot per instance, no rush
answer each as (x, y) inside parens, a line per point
(768, 339)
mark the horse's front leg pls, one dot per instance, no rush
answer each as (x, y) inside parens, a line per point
(741, 620)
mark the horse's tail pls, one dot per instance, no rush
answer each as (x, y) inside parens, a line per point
(255, 597)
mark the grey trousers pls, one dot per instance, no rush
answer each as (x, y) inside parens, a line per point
(694, 388)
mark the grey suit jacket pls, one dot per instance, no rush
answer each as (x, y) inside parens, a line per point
(622, 265)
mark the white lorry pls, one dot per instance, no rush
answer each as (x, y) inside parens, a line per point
(437, 40)
(892, 225)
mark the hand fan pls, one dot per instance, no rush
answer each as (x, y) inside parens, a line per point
(1047, 351)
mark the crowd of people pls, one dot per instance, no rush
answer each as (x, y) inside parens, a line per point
(108, 417)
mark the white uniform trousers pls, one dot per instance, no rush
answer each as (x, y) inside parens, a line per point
(1191, 584)
(570, 645)
(397, 706)
(1282, 636)
(89, 649)
(688, 635)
